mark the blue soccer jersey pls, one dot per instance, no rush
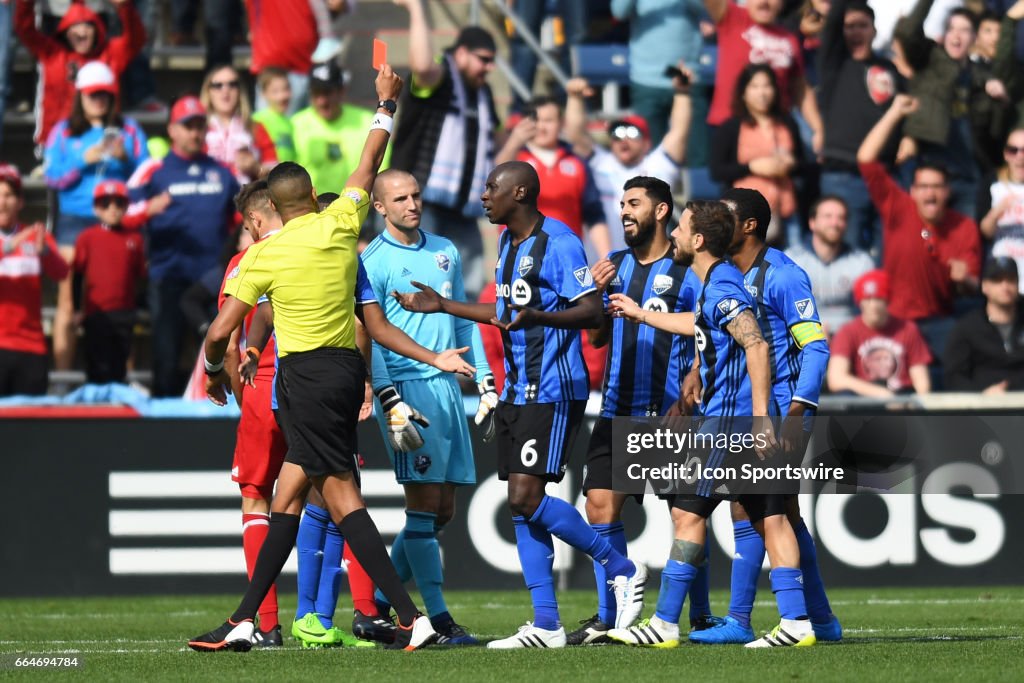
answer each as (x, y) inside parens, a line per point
(546, 271)
(788, 317)
(645, 365)
(364, 295)
(433, 261)
(723, 362)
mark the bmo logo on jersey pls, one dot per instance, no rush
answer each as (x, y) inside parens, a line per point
(656, 305)
(519, 291)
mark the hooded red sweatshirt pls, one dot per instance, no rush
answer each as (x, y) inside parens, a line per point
(58, 64)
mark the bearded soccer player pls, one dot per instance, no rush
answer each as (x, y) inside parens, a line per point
(736, 378)
(545, 295)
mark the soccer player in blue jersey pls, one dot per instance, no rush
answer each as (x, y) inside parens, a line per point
(788, 316)
(644, 368)
(545, 295)
(736, 379)
(432, 461)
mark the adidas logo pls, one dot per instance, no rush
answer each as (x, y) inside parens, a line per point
(406, 272)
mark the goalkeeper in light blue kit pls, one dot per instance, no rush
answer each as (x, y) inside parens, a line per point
(420, 410)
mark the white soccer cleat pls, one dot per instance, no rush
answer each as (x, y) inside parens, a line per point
(228, 636)
(629, 596)
(789, 633)
(653, 632)
(529, 635)
(417, 635)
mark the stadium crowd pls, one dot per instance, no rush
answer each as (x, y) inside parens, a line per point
(888, 137)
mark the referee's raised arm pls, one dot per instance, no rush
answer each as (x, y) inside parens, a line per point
(389, 87)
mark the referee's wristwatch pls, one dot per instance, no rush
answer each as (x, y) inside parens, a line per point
(390, 106)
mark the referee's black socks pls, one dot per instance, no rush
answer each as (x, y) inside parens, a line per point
(274, 553)
(363, 538)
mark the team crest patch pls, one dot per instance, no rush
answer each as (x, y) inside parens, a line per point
(233, 274)
(729, 308)
(443, 262)
(583, 276)
(805, 308)
(662, 283)
(525, 265)
(354, 196)
(751, 290)
(421, 463)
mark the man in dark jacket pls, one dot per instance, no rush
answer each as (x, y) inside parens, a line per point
(985, 351)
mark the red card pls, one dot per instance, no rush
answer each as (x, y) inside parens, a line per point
(380, 53)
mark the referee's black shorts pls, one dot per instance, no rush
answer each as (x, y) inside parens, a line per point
(319, 394)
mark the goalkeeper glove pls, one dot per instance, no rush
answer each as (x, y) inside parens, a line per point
(402, 433)
(488, 402)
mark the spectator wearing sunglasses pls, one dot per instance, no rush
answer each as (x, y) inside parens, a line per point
(94, 144)
(630, 151)
(109, 263)
(232, 137)
(1004, 223)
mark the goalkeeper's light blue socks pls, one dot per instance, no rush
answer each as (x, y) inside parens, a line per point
(537, 557)
(424, 556)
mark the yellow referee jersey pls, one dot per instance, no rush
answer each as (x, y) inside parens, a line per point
(308, 271)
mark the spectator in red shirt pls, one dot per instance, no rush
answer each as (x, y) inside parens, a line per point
(27, 252)
(878, 355)
(753, 36)
(931, 253)
(81, 37)
(109, 263)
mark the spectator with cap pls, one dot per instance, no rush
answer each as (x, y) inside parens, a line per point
(985, 351)
(830, 262)
(188, 197)
(81, 37)
(857, 86)
(631, 152)
(109, 264)
(931, 252)
(329, 133)
(444, 135)
(27, 252)
(877, 354)
(94, 144)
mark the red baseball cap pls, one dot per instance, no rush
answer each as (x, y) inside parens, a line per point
(187, 107)
(110, 188)
(873, 284)
(9, 174)
(635, 120)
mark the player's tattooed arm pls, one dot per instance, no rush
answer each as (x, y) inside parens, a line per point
(747, 333)
(427, 300)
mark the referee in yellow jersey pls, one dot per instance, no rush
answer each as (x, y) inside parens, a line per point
(308, 271)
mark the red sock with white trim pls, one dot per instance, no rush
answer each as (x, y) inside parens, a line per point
(255, 526)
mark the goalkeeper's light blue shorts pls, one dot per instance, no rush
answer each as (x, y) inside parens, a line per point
(447, 454)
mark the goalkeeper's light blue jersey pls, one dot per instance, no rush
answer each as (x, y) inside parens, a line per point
(433, 261)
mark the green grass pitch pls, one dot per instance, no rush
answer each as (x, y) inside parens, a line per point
(926, 634)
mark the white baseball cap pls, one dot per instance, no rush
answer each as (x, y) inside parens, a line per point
(95, 77)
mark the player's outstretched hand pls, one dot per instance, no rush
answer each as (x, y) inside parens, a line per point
(624, 307)
(427, 300)
(218, 387)
(451, 361)
(485, 411)
(603, 271)
(524, 318)
(763, 431)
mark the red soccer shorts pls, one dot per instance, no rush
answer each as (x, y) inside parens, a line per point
(259, 446)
